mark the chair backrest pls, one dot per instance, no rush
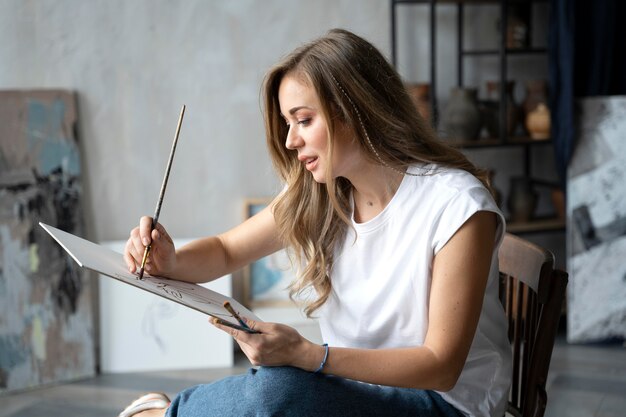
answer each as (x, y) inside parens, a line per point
(532, 292)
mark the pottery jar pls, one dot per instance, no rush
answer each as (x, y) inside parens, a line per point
(536, 93)
(538, 122)
(493, 104)
(461, 118)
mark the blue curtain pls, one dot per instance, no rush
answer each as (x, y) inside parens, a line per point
(587, 57)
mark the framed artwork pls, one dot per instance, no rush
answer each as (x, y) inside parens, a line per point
(266, 281)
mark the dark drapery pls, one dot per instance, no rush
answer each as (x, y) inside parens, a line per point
(587, 57)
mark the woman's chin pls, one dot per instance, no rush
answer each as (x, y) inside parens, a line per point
(319, 177)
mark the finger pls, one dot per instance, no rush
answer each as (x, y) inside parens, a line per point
(250, 352)
(145, 230)
(128, 258)
(137, 247)
(220, 324)
(159, 232)
(253, 325)
(259, 326)
(237, 332)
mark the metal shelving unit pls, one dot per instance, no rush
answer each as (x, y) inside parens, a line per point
(502, 52)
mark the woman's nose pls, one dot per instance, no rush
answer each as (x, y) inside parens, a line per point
(294, 140)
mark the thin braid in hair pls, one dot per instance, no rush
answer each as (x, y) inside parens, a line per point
(367, 137)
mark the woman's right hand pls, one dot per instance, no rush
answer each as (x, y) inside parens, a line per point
(162, 258)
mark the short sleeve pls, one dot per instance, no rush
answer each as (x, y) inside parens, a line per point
(462, 205)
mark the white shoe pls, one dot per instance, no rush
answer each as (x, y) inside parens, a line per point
(152, 401)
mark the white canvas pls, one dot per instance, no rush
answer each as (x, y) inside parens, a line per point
(163, 327)
(140, 331)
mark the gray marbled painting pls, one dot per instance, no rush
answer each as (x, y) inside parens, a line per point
(596, 222)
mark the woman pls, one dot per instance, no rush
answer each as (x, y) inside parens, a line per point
(397, 235)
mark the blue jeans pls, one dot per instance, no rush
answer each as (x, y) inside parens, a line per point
(287, 391)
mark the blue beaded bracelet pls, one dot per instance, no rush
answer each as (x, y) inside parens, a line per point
(318, 370)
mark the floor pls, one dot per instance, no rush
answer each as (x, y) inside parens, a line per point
(584, 381)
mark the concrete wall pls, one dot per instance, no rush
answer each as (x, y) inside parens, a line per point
(134, 63)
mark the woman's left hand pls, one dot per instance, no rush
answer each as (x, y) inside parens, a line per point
(276, 345)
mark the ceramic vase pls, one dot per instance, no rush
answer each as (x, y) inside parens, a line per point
(538, 122)
(558, 201)
(490, 117)
(461, 119)
(492, 105)
(536, 93)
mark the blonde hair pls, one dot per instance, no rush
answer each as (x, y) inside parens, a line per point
(359, 88)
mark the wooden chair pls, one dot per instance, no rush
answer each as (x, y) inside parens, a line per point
(532, 292)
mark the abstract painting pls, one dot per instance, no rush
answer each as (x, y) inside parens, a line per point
(46, 301)
(267, 280)
(596, 223)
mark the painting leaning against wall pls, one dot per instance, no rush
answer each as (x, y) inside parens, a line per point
(266, 281)
(46, 318)
(596, 223)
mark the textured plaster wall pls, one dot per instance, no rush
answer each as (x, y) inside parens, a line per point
(134, 63)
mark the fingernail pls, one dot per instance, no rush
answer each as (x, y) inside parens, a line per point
(145, 241)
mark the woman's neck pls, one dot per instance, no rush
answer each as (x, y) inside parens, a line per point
(373, 189)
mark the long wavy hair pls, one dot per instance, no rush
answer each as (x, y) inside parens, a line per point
(357, 87)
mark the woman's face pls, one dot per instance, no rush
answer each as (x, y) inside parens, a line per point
(301, 109)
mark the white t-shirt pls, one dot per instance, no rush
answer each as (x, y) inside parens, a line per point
(381, 283)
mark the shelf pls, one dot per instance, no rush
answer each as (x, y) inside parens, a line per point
(499, 51)
(467, 2)
(552, 224)
(509, 51)
(497, 143)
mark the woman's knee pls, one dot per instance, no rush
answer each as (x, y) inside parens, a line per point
(281, 388)
(267, 391)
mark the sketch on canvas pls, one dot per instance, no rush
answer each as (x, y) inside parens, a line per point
(164, 335)
(110, 263)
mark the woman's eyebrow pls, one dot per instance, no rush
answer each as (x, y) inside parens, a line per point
(295, 109)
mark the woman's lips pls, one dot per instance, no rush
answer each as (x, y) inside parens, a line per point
(310, 163)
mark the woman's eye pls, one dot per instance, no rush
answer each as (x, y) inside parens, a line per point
(304, 122)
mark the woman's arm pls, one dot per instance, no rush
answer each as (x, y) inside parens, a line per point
(460, 272)
(208, 258)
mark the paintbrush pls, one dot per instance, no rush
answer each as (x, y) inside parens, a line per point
(236, 315)
(155, 219)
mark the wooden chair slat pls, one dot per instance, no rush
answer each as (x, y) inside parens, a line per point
(532, 293)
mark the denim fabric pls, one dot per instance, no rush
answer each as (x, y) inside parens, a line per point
(287, 391)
